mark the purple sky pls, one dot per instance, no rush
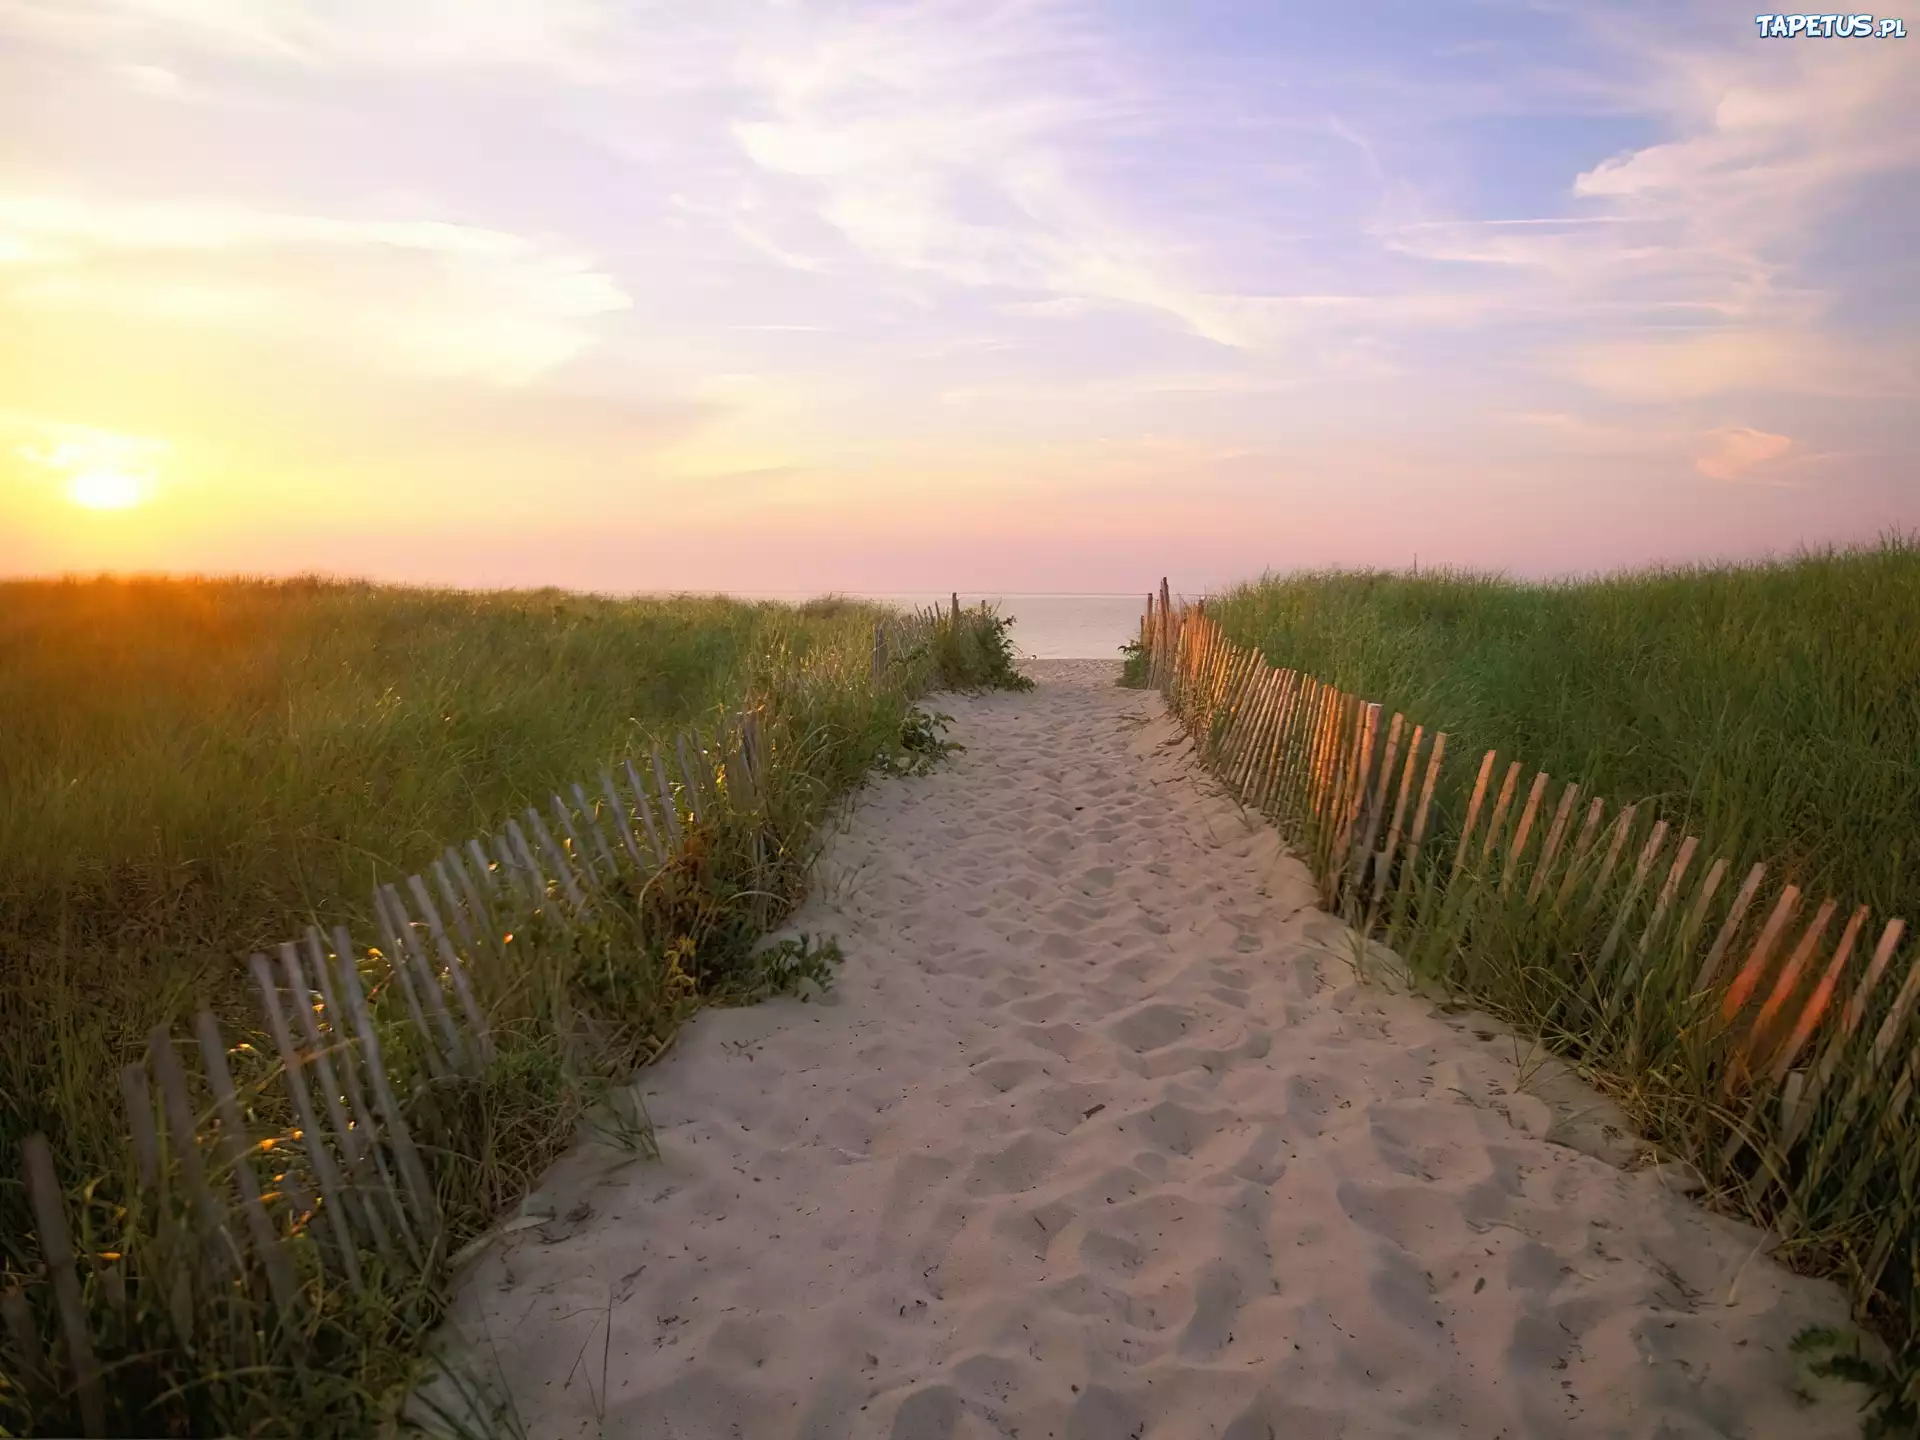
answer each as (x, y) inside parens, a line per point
(995, 296)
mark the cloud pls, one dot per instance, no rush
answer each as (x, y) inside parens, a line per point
(1691, 364)
(941, 140)
(1718, 225)
(558, 36)
(425, 296)
(1730, 454)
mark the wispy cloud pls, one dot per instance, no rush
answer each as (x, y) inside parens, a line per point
(552, 35)
(1730, 454)
(426, 295)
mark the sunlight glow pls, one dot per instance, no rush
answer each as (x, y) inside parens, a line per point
(101, 470)
(105, 490)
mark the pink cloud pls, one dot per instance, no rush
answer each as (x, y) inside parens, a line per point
(1731, 453)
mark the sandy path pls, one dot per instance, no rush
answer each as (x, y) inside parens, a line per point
(1097, 1138)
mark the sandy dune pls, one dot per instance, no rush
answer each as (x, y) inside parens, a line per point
(1099, 1137)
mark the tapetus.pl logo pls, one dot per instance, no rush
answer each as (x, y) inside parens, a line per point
(1830, 27)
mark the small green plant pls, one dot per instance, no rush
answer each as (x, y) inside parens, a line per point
(789, 966)
(921, 745)
(621, 1121)
(1136, 660)
(1829, 1354)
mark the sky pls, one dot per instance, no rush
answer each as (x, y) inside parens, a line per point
(1021, 295)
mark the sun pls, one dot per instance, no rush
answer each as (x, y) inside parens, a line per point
(99, 469)
(106, 490)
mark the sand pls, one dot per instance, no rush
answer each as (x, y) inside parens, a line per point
(1100, 1135)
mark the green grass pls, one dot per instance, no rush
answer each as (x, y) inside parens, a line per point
(190, 768)
(193, 770)
(1775, 707)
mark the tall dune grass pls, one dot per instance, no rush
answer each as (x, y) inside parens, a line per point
(1773, 706)
(194, 770)
(189, 767)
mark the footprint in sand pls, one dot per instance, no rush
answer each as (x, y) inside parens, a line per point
(1151, 1027)
(1005, 1075)
(1176, 1129)
(1042, 1008)
(1069, 1042)
(1020, 1166)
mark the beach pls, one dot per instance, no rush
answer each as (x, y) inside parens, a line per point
(1106, 1131)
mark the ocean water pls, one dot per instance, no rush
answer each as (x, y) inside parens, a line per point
(1045, 627)
(1057, 627)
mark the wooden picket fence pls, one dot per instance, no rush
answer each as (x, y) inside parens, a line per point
(368, 1042)
(1793, 1049)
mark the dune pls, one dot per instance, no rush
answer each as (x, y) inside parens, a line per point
(1105, 1131)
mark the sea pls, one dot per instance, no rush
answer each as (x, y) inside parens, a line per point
(1047, 627)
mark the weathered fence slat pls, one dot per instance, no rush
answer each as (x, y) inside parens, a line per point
(416, 959)
(691, 777)
(462, 907)
(1529, 812)
(355, 1137)
(413, 1174)
(1556, 837)
(645, 811)
(1326, 755)
(395, 952)
(574, 847)
(1404, 891)
(1582, 847)
(1473, 810)
(669, 807)
(622, 822)
(1749, 974)
(589, 817)
(1729, 927)
(183, 1147)
(56, 1248)
(1821, 998)
(1294, 743)
(1384, 861)
(523, 877)
(483, 872)
(313, 1138)
(1500, 807)
(1696, 919)
(556, 857)
(1257, 763)
(1616, 842)
(1283, 751)
(138, 1098)
(29, 1356)
(1375, 814)
(1903, 1002)
(237, 1150)
(1242, 720)
(1669, 888)
(1789, 977)
(1649, 852)
(477, 1028)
